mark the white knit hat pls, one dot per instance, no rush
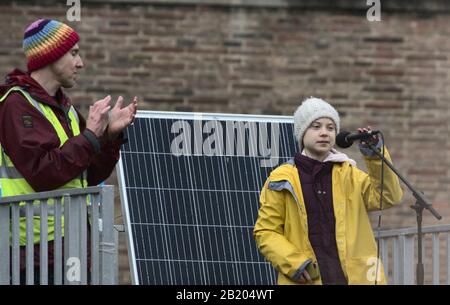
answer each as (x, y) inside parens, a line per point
(310, 110)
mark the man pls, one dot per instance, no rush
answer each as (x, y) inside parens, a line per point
(45, 143)
(313, 224)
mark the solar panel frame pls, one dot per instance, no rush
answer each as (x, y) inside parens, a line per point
(183, 116)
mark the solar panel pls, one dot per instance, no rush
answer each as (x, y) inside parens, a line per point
(190, 186)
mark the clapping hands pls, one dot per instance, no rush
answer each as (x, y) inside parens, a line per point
(114, 121)
(121, 117)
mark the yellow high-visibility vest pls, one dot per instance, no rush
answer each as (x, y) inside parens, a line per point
(12, 182)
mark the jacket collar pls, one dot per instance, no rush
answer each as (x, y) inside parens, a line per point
(288, 172)
(309, 165)
(286, 176)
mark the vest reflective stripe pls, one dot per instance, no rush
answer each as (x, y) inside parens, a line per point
(13, 183)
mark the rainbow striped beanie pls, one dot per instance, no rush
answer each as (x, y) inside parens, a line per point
(45, 41)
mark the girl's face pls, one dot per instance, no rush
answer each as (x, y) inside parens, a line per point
(320, 137)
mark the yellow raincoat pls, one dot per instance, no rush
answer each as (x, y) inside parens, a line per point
(281, 229)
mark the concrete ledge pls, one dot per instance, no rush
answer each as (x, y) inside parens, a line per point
(432, 6)
(420, 6)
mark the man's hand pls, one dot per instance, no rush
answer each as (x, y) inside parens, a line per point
(98, 116)
(120, 118)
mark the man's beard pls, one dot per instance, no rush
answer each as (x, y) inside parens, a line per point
(67, 84)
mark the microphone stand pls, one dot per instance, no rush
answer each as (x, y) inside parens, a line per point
(421, 204)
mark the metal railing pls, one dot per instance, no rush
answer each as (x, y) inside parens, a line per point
(76, 207)
(398, 251)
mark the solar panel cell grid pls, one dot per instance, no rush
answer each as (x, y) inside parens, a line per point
(190, 189)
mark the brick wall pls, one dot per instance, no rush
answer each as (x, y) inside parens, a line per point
(261, 59)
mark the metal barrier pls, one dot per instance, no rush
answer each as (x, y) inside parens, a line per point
(397, 247)
(398, 251)
(76, 207)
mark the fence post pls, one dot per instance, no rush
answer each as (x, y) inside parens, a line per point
(72, 263)
(57, 242)
(4, 244)
(107, 241)
(83, 246)
(436, 265)
(43, 243)
(29, 243)
(385, 257)
(408, 259)
(397, 260)
(15, 235)
(118, 229)
(95, 260)
(447, 256)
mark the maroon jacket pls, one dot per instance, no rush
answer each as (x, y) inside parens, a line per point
(34, 147)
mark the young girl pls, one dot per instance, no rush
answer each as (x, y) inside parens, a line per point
(312, 223)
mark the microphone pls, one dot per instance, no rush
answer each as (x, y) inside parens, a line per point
(345, 139)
